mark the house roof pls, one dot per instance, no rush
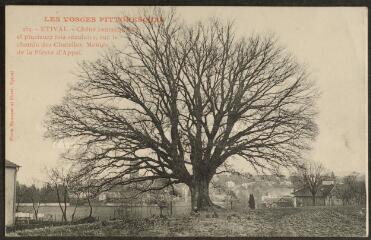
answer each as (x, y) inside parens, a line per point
(323, 191)
(10, 164)
(285, 199)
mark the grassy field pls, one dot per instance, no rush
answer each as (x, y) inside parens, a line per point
(309, 221)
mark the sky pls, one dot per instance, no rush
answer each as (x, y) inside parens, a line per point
(331, 42)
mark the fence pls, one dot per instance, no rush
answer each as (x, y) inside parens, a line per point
(53, 213)
(148, 211)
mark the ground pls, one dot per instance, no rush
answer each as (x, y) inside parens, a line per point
(308, 221)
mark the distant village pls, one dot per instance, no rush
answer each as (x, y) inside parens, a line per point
(230, 191)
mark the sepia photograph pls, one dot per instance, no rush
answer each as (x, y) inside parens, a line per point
(186, 121)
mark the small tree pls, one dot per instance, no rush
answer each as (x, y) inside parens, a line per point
(158, 198)
(85, 188)
(21, 193)
(251, 201)
(332, 176)
(88, 193)
(61, 180)
(76, 195)
(35, 199)
(48, 193)
(352, 191)
(311, 175)
(360, 192)
(231, 195)
(162, 198)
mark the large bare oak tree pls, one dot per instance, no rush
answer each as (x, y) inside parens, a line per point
(178, 100)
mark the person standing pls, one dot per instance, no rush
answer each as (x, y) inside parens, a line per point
(251, 201)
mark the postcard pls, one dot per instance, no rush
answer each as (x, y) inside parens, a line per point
(186, 121)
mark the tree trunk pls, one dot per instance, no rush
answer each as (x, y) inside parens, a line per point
(314, 200)
(200, 199)
(171, 207)
(74, 212)
(90, 208)
(64, 215)
(65, 203)
(36, 210)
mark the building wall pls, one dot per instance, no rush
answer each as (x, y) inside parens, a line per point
(308, 201)
(10, 183)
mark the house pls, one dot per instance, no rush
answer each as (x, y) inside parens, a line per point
(278, 195)
(286, 201)
(118, 194)
(324, 196)
(273, 202)
(11, 170)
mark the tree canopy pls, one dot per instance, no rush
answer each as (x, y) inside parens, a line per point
(177, 100)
